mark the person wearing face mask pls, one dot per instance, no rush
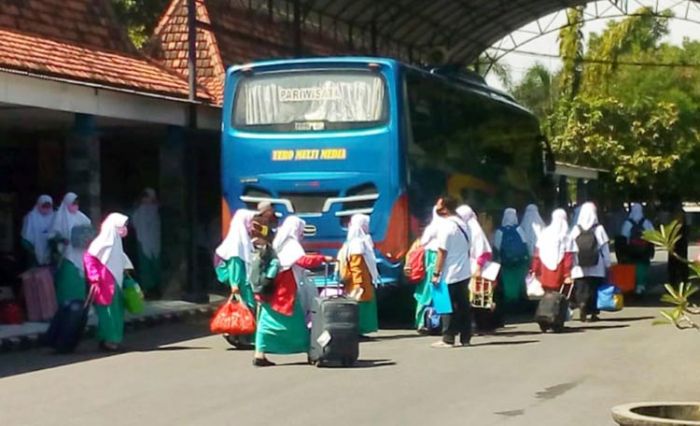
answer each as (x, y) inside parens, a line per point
(71, 231)
(281, 327)
(105, 266)
(35, 231)
(146, 223)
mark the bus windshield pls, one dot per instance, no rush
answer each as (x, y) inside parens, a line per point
(310, 101)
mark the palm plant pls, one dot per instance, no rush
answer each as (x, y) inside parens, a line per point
(683, 309)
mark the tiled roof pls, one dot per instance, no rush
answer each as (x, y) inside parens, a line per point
(226, 35)
(79, 40)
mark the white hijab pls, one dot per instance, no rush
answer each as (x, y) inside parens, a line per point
(35, 230)
(478, 243)
(237, 242)
(146, 221)
(587, 219)
(554, 241)
(64, 222)
(108, 249)
(429, 238)
(360, 242)
(636, 212)
(287, 242)
(510, 217)
(531, 224)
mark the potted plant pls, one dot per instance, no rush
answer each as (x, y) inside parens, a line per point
(681, 316)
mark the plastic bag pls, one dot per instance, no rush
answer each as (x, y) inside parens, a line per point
(133, 296)
(534, 287)
(609, 298)
(233, 317)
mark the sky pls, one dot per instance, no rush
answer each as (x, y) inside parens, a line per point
(518, 63)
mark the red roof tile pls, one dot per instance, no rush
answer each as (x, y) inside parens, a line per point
(80, 40)
(227, 35)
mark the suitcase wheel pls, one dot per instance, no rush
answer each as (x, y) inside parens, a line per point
(543, 327)
(558, 328)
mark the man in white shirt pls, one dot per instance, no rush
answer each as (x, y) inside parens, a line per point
(454, 269)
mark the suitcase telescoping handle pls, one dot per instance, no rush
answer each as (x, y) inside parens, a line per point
(327, 274)
(567, 289)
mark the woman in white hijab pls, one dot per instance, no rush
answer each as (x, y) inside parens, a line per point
(234, 256)
(512, 252)
(281, 327)
(424, 289)
(479, 247)
(637, 249)
(589, 278)
(72, 231)
(531, 224)
(105, 265)
(146, 223)
(358, 254)
(35, 231)
(554, 256)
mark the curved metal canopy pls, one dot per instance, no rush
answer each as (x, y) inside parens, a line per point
(413, 29)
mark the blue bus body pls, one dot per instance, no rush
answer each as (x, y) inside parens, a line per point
(321, 173)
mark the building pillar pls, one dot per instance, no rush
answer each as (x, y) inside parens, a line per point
(173, 203)
(581, 191)
(563, 192)
(83, 168)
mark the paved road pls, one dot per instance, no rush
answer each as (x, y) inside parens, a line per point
(179, 375)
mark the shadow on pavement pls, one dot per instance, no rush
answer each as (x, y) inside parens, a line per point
(505, 343)
(583, 328)
(144, 340)
(629, 319)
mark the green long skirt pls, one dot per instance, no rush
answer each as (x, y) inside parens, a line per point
(641, 276)
(369, 322)
(281, 334)
(149, 271)
(110, 325)
(424, 290)
(70, 283)
(513, 282)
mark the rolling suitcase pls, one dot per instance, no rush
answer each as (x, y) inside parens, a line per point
(39, 294)
(553, 309)
(335, 332)
(68, 325)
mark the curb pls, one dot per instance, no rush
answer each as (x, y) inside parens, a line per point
(33, 340)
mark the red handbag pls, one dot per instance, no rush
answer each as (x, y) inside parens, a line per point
(11, 313)
(234, 318)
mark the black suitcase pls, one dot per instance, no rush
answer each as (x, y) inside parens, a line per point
(335, 331)
(553, 309)
(67, 326)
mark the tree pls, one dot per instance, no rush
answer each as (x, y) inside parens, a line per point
(571, 52)
(633, 36)
(536, 91)
(139, 17)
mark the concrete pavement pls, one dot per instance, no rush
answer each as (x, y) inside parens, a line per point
(179, 374)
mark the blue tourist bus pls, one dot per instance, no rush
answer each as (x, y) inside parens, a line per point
(325, 138)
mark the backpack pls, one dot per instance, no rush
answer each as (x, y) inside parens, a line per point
(638, 249)
(415, 262)
(588, 248)
(513, 248)
(264, 266)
